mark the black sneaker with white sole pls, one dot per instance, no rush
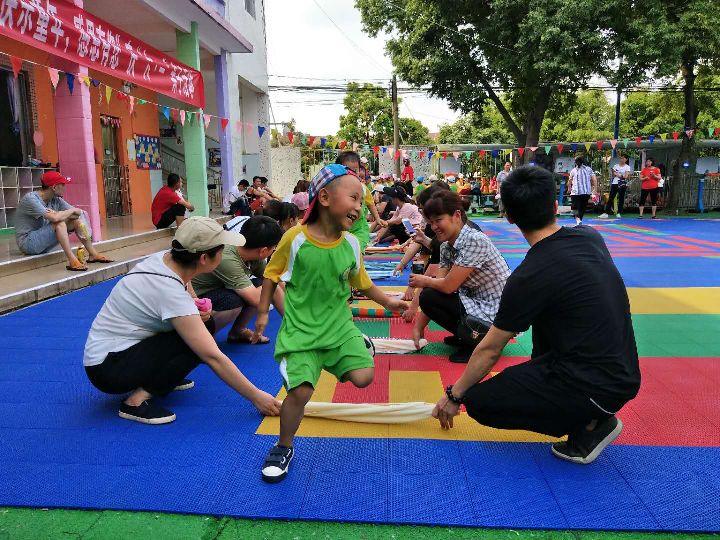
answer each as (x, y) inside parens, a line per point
(146, 413)
(585, 446)
(277, 463)
(185, 384)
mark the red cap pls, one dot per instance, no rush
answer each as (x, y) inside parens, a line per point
(53, 178)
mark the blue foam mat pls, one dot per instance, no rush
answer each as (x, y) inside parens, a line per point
(62, 445)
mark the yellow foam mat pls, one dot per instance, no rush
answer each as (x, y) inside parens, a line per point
(646, 301)
(404, 386)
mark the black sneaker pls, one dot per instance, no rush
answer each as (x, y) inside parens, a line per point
(277, 463)
(185, 384)
(461, 356)
(453, 341)
(585, 446)
(146, 413)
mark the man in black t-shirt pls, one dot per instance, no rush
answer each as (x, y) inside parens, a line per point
(584, 362)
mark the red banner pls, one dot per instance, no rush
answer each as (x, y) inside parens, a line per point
(61, 29)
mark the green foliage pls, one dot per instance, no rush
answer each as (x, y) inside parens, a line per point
(584, 116)
(368, 118)
(483, 128)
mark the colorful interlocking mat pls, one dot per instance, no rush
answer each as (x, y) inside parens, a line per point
(63, 445)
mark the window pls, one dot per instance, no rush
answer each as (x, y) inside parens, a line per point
(15, 119)
(250, 7)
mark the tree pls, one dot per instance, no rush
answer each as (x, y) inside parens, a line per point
(584, 116)
(670, 36)
(517, 55)
(485, 128)
(368, 118)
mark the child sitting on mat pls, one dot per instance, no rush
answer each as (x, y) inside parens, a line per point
(318, 261)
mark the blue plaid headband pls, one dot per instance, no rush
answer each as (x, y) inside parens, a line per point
(326, 175)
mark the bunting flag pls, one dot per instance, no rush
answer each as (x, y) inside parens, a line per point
(495, 153)
(174, 113)
(613, 143)
(238, 126)
(456, 154)
(141, 102)
(16, 65)
(710, 132)
(261, 131)
(343, 144)
(651, 138)
(675, 135)
(689, 133)
(482, 154)
(547, 149)
(70, 80)
(626, 141)
(431, 154)
(354, 147)
(131, 103)
(310, 140)
(444, 155)
(383, 149)
(291, 137)
(54, 77)
(534, 149)
(421, 155)
(638, 141)
(663, 136)
(573, 147)
(376, 150)
(95, 82)
(468, 153)
(717, 131)
(323, 141)
(560, 148)
(182, 117)
(521, 151)
(108, 94)
(206, 120)
(224, 122)
(599, 144)
(587, 146)
(397, 155)
(85, 80)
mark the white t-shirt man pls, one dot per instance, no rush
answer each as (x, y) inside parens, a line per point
(619, 171)
(138, 307)
(231, 196)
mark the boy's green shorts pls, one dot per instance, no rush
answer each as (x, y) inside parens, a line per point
(301, 367)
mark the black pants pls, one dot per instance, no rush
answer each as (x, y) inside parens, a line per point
(579, 204)
(399, 232)
(445, 309)
(168, 217)
(616, 189)
(531, 397)
(156, 364)
(653, 196)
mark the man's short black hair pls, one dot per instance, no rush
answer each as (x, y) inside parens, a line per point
(347, 157)
(263, 180)
(528, 195)
(173, 180)
(256, 178)
(650, 158)
(244, 183)
(261, 231)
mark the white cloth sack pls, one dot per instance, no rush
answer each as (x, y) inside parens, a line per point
(371, 413)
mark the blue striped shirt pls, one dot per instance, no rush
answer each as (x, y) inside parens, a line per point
(582, 183)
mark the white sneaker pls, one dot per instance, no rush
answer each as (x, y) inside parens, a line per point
(603, 216)
(578, 221)
(618, 216)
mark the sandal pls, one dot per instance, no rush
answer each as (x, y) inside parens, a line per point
(79, 267)
(100, 259)
(245, 337)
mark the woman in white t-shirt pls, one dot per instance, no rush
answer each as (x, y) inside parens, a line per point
(619, 175)
(149, 334)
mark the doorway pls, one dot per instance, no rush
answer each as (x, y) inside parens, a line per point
(115, 175)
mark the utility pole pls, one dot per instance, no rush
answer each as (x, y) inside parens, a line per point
(396, 124)
(617, 119)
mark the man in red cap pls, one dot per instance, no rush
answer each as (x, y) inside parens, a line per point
(44, 220)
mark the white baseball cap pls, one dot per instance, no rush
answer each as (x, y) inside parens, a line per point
(199, 233)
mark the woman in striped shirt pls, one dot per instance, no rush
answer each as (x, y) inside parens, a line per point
(581, 184)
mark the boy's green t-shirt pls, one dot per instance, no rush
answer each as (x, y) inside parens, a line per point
(317, 277)
(360, 228)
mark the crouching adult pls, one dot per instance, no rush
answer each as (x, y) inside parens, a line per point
(149, 334)
(584, 363)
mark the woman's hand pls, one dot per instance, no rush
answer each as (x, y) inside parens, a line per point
(418, 281)
(420, 237)
(382, 223)
(266, 404)
(444, 411)
(205, 316)
(398, 269)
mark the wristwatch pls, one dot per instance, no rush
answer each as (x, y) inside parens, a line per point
(451, 397)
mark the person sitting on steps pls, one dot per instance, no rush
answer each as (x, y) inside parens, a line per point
(168, 207)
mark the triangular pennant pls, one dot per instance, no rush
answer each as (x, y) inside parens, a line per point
(182, 117)
(376, 149)
(261, 131)
(588, 146)
(175, 115)
(573, 147)
(613, 143)
(397, 154)
(481, 153)
(342, 145)
(716, 132)
(651, 138)
(675, 135)
(238, 126)
(95, 82)
(354, 147)
(663, 136)
(495, 153)
(421, 154)
(560, 148)
(534, 148)
(468, 153)
(291, 136)
(521, 151)
(323, 141)
(141, 102)
(223, 123)
(431, 154)
(166, 113)
(626, 141)
(383, 149)
(70, 80)
(599, 144)
(131, 103)
(86, 80)
(444, 155)
(638, 141)
(108, 94)
(456, 154)
(689, 133)
(710, 133)
(311, 140)
(16, 65)
(206, 119)
(547, 149)
(54, 77)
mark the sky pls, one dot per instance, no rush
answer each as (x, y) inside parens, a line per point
(304, 43)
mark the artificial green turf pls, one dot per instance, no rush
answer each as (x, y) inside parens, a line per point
(35, 524)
